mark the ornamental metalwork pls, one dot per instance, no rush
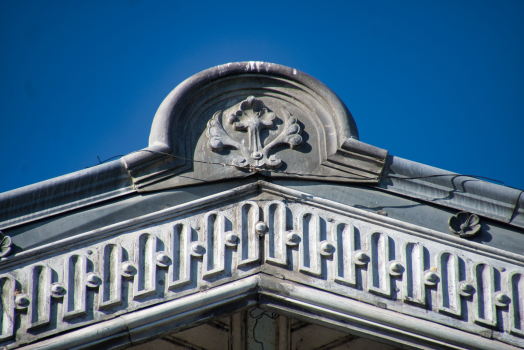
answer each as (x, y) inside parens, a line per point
(253, 116)
(464, 224)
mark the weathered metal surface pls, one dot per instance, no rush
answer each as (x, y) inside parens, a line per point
(183, 250)
(454, 190)
(64, 193)
(415, 211)
(239, 118)
(65, 225)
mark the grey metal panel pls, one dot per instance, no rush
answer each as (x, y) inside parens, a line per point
(66, 225)
(64, 193)
(518, 215)
(417, 212)
(454, 191)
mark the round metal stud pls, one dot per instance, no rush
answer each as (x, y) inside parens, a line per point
(162, 259)
(395, 268)
(57, 290)
(231, 239)
(256, 155)
(361, 258)
(21, 301)
(327, 249)
(93, 280)
(197, 249)
(501, 299)
(292, 238)
(261, 227)
(128, 269)
(466, 289)
(274, 162)
(430, 278)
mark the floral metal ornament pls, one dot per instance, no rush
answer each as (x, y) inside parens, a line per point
(464, 224)
(253, 116)
(5, 244)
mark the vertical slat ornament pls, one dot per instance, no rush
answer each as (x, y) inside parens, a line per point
(484, 300)
(343, 235)
(145, 256)
(7, 306)
(275, 239)
(180, 249)
(379, 280)
(413, 286)
(309, 254)
(75, 282)
(248, 214)
(448, 289)
(214, 232)
(516, 309)
(39, 310)
(110, 292)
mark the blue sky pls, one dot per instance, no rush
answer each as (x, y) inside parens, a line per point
(437, 82)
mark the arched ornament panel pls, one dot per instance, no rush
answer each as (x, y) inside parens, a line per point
(237, 119)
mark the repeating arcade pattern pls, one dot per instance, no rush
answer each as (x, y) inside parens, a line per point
(150, 265)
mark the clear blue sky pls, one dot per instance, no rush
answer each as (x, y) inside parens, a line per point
(437, 82)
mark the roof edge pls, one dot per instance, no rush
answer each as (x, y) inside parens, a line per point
(111, 180)
(452, 190)
(65, 193)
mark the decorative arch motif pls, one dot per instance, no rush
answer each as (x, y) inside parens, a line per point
(240, 118)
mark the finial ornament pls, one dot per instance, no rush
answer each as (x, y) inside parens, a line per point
(253, 116)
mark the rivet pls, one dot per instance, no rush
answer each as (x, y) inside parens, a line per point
(292, 238)
(395, 268)
(327, 248)
(361, 258)
(465, 289)
(197, 249)
(260, 227)
(22, 301)
(430, 278)
(231, 239)
(57, 289)
(162, 259)
(128, 269)
(502, 298)
(92, 280)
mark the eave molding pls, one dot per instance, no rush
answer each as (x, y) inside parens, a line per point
(251, 189)
(275, 295)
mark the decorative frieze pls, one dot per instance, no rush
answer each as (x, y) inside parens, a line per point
(169, 259)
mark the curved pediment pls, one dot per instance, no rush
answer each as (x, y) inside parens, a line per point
(241, 118)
